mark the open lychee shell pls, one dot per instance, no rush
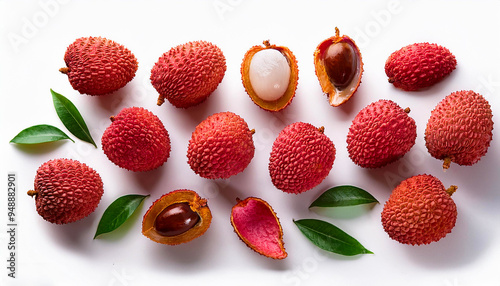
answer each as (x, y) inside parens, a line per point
(257, 225)
(337, 95)
(196, 203)
(286, 98)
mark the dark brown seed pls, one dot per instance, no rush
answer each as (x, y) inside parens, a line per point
(340, 64)
(176, 219)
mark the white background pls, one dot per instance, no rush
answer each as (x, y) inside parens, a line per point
(34, 37)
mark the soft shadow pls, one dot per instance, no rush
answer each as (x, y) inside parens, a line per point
(347, 212)
(148, 180)
(76, 235)
(468, 240)
(42, 148)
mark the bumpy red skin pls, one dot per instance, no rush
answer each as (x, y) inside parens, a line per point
(301, 158)
(98, 66)
(419, 211)
(419, 66)
(136, 140)
(380, 134)
(221, 146)
(460, 128)
(67, 190)
(187, 74)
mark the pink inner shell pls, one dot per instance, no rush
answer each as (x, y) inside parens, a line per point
(257, 224)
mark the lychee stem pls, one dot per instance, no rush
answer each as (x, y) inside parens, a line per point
(160, 101)
(112, 118)
(391, 80)
(451, 190)
(337, 32)
(252, 131)
(64, 70)
(32, 193)
(407, 110)
(321, 129)
(446, 163)
(266, 43)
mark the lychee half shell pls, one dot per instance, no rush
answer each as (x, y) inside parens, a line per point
(257, 225)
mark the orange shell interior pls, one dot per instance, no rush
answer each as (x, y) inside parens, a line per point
(336, 97)
(287, 97)
(197, 204)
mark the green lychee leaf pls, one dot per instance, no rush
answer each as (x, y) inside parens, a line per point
(330, 238)
(341, 196)
(71, 117)
(40, 134)
(118, 212)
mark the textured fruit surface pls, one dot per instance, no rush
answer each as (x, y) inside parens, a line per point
(66, 190)
(136, 140)
(339, 67)
(301, 158)
(460, 128)
(187, 74)
(256, 224)
(97, 66)
(419, 211)
(270, 75)
(419, 65)
(381, 133)
(177, 217)
(221, 146)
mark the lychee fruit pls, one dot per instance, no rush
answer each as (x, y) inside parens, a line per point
(460, 128)
(66, 190)
(136, 140)
(187, 74)
(97, 66)
(221, 146)
(419, 66)
(257, 225)
(419, 211)
(301, 158)
(380, 134)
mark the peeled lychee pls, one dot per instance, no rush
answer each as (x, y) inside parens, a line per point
(221, 146)
(460, 128)
(301, 158)
(187, 74)
(419, 211)
(66, 190)
(98, 66)
(419, 65)
(136, 140)
(381, 133)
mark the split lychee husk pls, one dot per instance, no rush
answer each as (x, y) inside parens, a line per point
(257, 225)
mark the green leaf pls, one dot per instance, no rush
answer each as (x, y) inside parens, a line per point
(343, 196)
(118, 212)
(330, 238)
(71, 117)
(39, 134)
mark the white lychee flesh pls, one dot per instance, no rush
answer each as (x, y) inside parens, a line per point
(269, 74)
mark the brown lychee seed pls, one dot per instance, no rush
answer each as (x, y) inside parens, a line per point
(177, 217)
(339, 67)
(66, 190)
(270, 75)
(257, 225)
